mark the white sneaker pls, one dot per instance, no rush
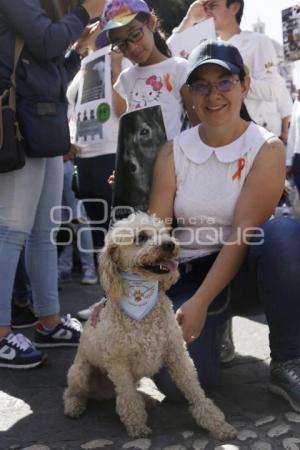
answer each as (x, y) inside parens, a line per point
(85, 314)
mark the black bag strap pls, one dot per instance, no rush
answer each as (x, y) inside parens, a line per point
(10, 93)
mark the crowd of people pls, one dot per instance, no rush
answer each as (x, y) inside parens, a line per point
(221, 174)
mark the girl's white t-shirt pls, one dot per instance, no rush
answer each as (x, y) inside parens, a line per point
(209, 182)
(157, 84)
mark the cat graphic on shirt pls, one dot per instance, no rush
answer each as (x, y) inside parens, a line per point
(146, 91)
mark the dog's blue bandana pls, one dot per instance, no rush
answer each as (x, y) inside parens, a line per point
(142, 296)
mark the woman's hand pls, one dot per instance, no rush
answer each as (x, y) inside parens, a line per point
(111, 179)
(87, 38)
(73, 151)
(191, 316)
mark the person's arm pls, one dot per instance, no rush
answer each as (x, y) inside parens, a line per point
(294, 134)
(265, 78)
(44, 38)
(259, 197)
(118, 102)
(163, 189)
(285, 122)
(195, 13)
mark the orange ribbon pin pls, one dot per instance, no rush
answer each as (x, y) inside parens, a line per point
(241, 164)
(168, 82)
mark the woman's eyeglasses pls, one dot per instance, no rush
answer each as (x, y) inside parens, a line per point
(122, 46)
(202, 88)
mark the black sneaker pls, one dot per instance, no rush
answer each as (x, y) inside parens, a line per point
(18, 352)
(22, 316)
(66, 334)
(285, 381)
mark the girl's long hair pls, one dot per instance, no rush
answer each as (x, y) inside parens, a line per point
(158, 34)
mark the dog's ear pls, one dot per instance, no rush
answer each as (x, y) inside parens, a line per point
(168, 280)
(110, 278)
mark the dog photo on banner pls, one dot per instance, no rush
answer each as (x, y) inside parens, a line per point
(141, 136)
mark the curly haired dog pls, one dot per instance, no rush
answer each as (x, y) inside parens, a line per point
(114, 356)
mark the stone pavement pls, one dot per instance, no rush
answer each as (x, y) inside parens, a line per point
(31, 408)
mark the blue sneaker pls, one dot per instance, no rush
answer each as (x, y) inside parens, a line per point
(89, 277)
(66, 334)
(18, 352)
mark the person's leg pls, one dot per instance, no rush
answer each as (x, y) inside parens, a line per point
(19, 197)
(92, 175)
(22, 290)
(41, 263)
(83, 231)
(204, 350)
(41, 253)
(277, 263)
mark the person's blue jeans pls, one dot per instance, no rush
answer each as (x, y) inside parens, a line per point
(296, 170)
(271, 272)
(27, 197)
(22, 289)
(76, 213)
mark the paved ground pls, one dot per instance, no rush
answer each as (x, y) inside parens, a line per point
(31, 409)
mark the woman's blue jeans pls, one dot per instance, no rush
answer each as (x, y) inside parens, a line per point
(27, 197)
(73, 210)
(271, 273)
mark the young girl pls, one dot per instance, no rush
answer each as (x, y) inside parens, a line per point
(156, 78)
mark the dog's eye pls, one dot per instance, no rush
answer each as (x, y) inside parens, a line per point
(142, 237)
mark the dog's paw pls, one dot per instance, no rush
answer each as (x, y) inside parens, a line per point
(74, 407)
(138, 430)
(226, 431)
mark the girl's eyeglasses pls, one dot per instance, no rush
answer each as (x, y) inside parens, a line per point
(122, 46)
(202, 88)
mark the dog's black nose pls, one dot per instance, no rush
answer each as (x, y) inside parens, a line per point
(168, 246)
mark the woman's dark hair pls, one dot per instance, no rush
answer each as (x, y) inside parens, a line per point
(244, 111)
(158, 34)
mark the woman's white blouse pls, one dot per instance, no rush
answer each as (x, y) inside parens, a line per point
(209, 181)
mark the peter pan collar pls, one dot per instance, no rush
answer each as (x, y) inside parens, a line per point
(201, 152)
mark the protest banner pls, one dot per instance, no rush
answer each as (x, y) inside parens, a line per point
(184, 42)
(141, 136)
(291, 33)
(93, 107)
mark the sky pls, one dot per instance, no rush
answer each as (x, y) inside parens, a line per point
(268, 11)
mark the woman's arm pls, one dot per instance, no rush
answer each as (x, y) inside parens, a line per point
(44, 38)
(259, 197)
(163, 187)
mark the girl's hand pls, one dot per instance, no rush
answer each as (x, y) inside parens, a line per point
(191, 316)
(73, 151)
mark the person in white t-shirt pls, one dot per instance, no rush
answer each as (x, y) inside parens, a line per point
(156, 78)
(267, 87)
